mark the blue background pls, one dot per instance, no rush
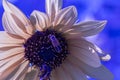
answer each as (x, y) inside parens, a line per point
(108, 39)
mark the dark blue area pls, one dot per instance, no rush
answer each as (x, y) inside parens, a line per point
(1, 12)
(114, 33)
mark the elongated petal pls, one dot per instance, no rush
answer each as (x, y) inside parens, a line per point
(21, 70)
(53, 75)
(62, 75)
(86, 56)
(83, 26)
(15, 71)
(88, 45)
(10, 8)
(5, 38)
(11, 52)
(71, 35)
(32, 75)
(12, 25)
(7, 41)
(85, 29)
(9, 45)
(84, 53)
(40, 20)
(66, 17)
(74, 71)
(53, 7)
(14, 36)
(3, 62)
(6, 69)
(99, 73)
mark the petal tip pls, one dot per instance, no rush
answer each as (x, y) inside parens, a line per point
(5, 5)
(73, 8)
(35, 11)
(104, 22)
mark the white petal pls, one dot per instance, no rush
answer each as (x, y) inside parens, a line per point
(71, 35)
(62, 74)
(15, 71)
(74, 71)
(53, 7)
(88, 28)
(3, 62)
(10, 8)
(88, 45)
(84, 53)
(87, 25)
(6, 69)
(21, 70)
(12, 25)
(40, 20)
(32, 75)
(66, 17)
(99, 73)
(5, 38)
(9, 45)
(54, 75)
(11, 52)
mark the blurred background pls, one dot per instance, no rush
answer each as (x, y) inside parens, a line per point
(108, 39)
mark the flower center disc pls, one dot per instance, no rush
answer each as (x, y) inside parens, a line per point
(47, 48)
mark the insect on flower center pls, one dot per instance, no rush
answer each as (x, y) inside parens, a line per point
(46, 50)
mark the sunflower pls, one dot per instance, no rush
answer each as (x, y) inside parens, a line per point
(50, 46)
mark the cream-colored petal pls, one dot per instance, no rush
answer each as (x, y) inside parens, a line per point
(52, 8)
(3, 62)
(14, 36)
(12, 25)
(21, 70)
(66, 17)
(22, 77)
(74, 71)
(6, 69)
(40, 20)
(88, 45)
(15, 71)
(62, 75)
(99, 73)
(9, 45)
(5, 38)
(53, 75)
(10, 8)
(71, 35)
(11, 52)
(84, 52)
(87, 25)
(88, 28)
(32, 75)
(86, 55)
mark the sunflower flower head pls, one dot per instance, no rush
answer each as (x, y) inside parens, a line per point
(50, 46)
